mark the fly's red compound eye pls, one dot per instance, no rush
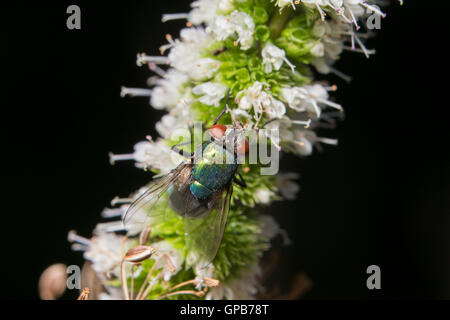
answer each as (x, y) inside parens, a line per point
(242, 147)
(218, 131)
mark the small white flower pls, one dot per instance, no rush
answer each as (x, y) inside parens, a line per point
(201, 273)
(105, 253)
(182, 56)
(322, 65)
(356, 9)
(163, 97)
(333, 33)
(150, 154)
(273, 58)
(263, 195)
(245, 28)
(203, 11)
(318, 50)
(169, 90)
(222, 28)
(275, 110)
(261, 101)
(238, 23)
(331, 40)
(171, 123)
(166, 125)
(320, 29)
(268, 226)
(302, 145)
(348, 11)
(212, 93)
(281, 126)
(308, 98)
(237, 113)
(203, 69)
(304, 140)
(297, 99)
(253, 96)
(195, 37)
(226, 5)
(186, 55)
(244, 287)
(287, 187)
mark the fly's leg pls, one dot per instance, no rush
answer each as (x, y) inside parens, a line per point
(219, 51)
(220, 115)
(240, 182)
(267, 122)
(224, 109)
(182, 152)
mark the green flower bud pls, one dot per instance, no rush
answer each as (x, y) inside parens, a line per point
(262, 33)
(260, 15)
(242, 75)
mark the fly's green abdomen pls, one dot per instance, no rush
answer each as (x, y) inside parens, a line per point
(199, 190)
(213, 171)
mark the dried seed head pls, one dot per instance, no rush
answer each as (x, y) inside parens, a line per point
(210, 282)
(84, 295)
(90, 279)
(52, 282)
(139, 253)
(199, 293)
(169, 264)
(144, 236)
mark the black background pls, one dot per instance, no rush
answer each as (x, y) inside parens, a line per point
(381, 197)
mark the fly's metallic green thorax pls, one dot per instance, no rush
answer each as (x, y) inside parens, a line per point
(213, 171)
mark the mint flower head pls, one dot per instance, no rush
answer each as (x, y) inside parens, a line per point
(258, 59)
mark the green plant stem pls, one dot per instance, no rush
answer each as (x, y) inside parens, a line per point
(279, 21)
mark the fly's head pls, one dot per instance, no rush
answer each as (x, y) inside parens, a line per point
(232, 137)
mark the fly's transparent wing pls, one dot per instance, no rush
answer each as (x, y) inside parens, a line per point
(204, 234)
(144, 207)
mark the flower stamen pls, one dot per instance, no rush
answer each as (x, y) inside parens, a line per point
(142, 59)
(118, 200)
(160, 72)
(72, 236)
(174, 16)
(119, 157)
(135, 92)
(111, 213)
